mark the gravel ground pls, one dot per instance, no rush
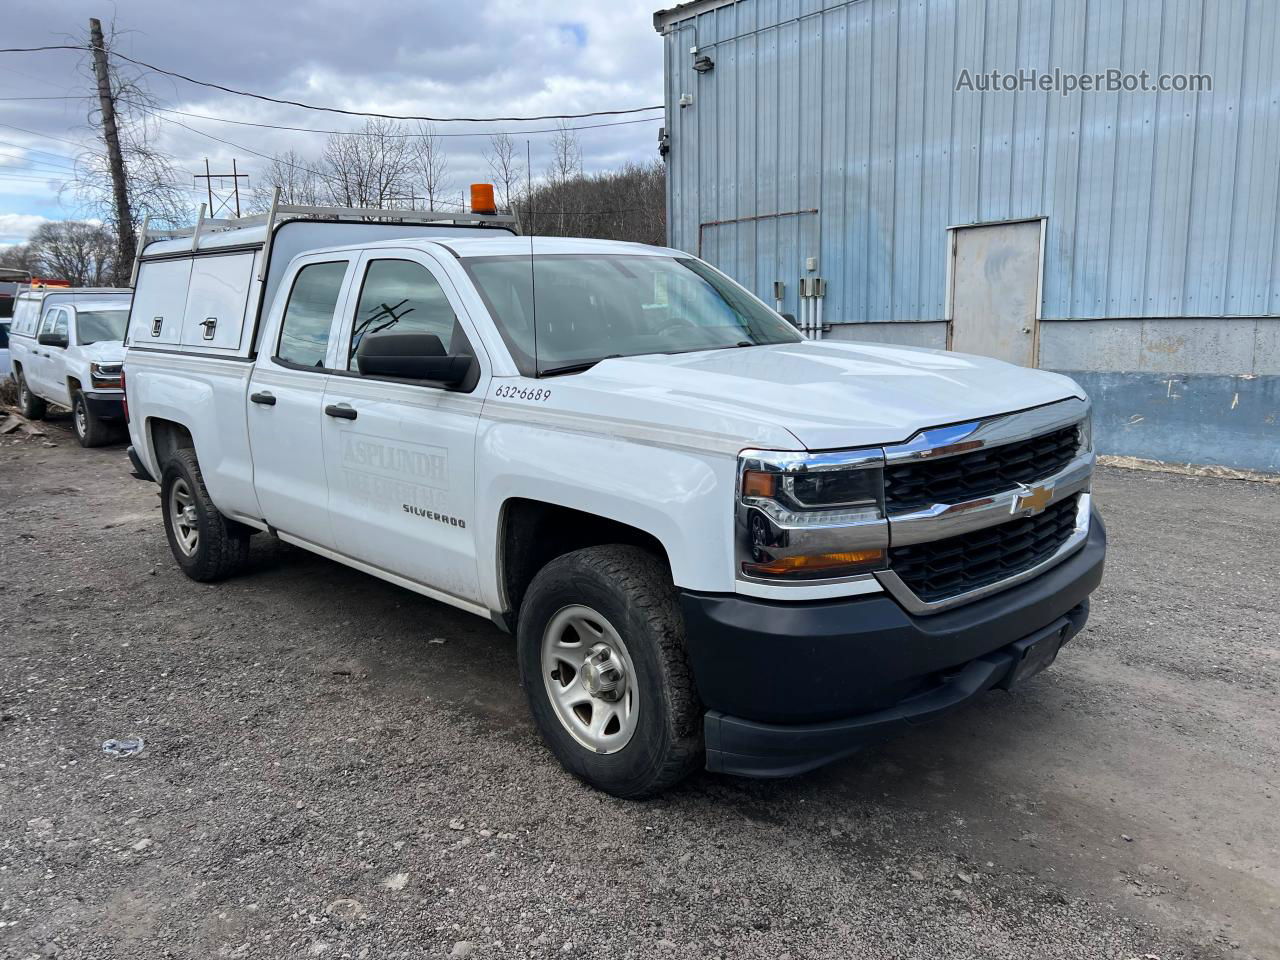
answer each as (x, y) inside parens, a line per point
(335, 767)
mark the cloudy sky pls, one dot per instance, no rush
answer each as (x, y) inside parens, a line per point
(429, 57)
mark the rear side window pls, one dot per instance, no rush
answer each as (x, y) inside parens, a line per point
(403, 296)
(4, 336)
(308, 317)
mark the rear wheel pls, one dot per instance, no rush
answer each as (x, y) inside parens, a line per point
(31, 406)
(602, 659)
(90, 431)
(206, 544)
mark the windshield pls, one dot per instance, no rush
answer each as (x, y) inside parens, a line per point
(95, 325)
(594, 306)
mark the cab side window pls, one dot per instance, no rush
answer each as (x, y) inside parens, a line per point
(55, 321)
(403, 296)
(308, 317)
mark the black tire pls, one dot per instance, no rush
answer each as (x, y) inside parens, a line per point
(31, 406)
(221, 546)
(89, 430)
(632, 590)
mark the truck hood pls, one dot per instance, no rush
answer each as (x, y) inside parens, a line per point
(823, 394)
(104, 351)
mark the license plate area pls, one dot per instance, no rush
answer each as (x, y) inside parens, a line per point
(1032, 654)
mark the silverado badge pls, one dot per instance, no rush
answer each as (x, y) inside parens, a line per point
(1032, 499)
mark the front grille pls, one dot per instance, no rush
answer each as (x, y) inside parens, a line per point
(946, 568)
(968, 476)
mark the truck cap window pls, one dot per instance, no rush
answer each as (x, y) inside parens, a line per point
(404, 296)
(593, 306)
(308, 318)
(93, 326)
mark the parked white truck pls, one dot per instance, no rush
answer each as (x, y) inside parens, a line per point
(715, 542)
(67, 348)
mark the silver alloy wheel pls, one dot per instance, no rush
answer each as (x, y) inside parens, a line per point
(81, 417)
(182, 514)
(23, 393)
(589, 679)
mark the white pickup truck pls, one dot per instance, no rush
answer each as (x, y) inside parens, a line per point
(716, 542)
(67, 349)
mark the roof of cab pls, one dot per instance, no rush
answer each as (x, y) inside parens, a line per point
(98, 305)
(506, 245)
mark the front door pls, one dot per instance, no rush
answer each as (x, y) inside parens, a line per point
(286, 402)
(401, 461)
(50, 379)
(995, 290)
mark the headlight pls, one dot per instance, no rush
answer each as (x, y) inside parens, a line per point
(1086, 433)
(105, 374)
(810, 516)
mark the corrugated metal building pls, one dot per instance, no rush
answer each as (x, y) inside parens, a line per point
(1134, 238)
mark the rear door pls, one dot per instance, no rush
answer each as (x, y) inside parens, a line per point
(48, 360)
(400, 462)
(286, 400)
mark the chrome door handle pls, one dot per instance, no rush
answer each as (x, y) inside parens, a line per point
(340, 410)
(264, 397)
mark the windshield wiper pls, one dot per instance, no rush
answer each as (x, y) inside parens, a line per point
(576, 367)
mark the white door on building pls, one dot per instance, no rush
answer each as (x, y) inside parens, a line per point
(995, 290)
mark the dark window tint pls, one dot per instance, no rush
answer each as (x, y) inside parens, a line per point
(4, 336)
(403, 296)
(93, 326)
(304, 335)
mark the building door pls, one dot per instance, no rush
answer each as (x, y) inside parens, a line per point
(995, 290)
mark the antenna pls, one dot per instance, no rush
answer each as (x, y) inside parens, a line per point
(533, 274)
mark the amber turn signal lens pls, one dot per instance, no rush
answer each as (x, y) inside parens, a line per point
(757, 483)
(808, 566)
(482, 198)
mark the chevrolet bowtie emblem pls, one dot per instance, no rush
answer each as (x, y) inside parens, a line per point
(1032, 499)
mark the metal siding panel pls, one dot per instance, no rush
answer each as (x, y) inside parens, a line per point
(1063, 118)
(884, 146)
(909, 84)
(1097, 164)
(858, 209)
(1134, 169)
(966, 130)
(1253, 234)
(996, 130)
(935, 191)
(1026, 187)
(835, 176)
(1217, 142)
(1175, 152)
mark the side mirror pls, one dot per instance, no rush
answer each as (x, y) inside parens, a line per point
(52, 340)
(411, 356)
(791, 319)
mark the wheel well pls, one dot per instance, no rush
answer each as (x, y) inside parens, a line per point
(73, 384)
(535, 533)
(168, 436)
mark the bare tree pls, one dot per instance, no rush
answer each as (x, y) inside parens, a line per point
(566, 155)
(624, 204)
(507, 173)
(298, 181)
(376, 168)
(433, 166)
(80, 252)
(152, 182)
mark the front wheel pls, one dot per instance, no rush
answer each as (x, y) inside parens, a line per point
(206, 544)
(602, 660)
(90, 431)
(31, 406)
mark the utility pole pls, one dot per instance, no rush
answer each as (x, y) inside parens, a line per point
(126, 240)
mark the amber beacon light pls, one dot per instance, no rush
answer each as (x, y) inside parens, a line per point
(482, 198)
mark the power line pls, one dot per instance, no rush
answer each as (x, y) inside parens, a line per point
(316, 107)
(358, 133)
(83, 96)
(46, 136)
